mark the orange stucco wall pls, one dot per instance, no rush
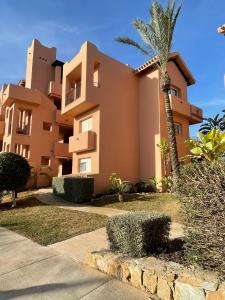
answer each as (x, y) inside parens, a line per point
(128, 115)
(126, 107)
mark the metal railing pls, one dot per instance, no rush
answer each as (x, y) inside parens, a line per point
(23, 129)
(73, 94)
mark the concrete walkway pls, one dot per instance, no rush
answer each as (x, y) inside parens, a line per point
(29, 271)
(46, 196)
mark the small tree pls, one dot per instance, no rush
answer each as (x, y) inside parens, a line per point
(165, 153)
(14, 173)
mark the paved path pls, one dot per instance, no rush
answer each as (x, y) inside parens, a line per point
(29, 271)
(46, 196)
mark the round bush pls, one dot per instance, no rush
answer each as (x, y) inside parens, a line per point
(127, 187)
(14, 171)
(144, 187)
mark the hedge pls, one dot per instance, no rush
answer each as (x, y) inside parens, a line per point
(204, 185)
(74, 189)
(138, 234)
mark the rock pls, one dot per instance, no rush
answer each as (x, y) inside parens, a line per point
(125, 272)
(136, 276)
(163, 289)
(150, 282)
(210, 286)
(114, 267)
(218, 295)
(185, 291)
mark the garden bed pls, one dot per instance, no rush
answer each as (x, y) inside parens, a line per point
(164, 203)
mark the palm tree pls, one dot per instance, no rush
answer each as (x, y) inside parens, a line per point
(216, 122)
(157, 37)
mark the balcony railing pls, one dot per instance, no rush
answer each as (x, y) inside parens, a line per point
(73, 94)
(23, 129)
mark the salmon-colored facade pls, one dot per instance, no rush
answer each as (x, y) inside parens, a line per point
(116, 112)
(31, 123)
(119, 116)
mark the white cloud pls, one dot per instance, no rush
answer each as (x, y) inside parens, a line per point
(213, 102)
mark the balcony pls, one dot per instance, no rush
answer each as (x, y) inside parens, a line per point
(82, 142)
(63, 119)
(62, 150)
(73, 94)
(55, 89)
(196, 114)
(180, 106)
(18, 93)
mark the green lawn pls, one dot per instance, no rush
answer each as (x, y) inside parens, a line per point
(166, 203)
(46, 224)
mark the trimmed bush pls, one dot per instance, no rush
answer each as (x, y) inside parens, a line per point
(204, 185)
(138, 234)
(144, 187)
(14, 171)
(74, 189)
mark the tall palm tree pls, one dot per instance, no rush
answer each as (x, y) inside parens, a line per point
(157, 37)
(216, 122)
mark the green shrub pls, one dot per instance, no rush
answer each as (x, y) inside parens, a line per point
(139, 233)
(14, 171)
(204, 185)
(128, 187)
(144, 187)
(74, 189)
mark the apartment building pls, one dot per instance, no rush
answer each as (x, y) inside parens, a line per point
(119, 117)
(93, 115)
(31, 123)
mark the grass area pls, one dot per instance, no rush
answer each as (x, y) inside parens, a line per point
(165, 203)
(46, 224)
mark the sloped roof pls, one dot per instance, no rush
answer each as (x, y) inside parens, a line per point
(177, 59)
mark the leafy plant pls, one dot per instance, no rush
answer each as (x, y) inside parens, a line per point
(210, 146)
(117, 185)
(157, 36)
(167, 184)
(14, 173)
(165, 153)
(216, 122)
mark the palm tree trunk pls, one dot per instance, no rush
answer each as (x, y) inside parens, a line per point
(165, 86)
(172, 137)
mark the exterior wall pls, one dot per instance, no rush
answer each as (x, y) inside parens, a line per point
(115, 117)
(149, 126)
(128, 116)
(127, 109)
(39, 70)
(34, 97)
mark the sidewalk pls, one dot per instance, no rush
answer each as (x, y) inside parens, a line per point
(29, 271)
(46, 196)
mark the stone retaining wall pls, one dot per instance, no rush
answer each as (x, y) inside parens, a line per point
(165, 280)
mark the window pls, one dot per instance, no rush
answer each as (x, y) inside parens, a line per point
(24, 122)
(174, 92)
(47, 126)
(96, 82)
(85, 165)
(23, 150)
(10, 121)
(86, 125)
(45, 161)
(178, 129)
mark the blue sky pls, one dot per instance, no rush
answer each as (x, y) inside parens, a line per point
(67, 24)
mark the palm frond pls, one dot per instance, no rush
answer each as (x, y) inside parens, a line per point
(130, 42)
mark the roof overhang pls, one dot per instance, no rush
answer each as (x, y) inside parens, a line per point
(177, 59)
